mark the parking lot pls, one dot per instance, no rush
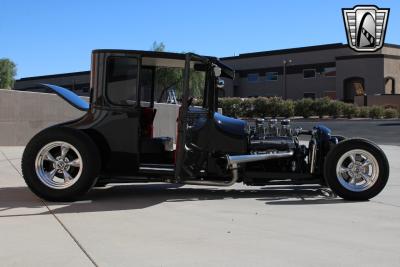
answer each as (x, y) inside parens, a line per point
(384, 132)
(169, 225)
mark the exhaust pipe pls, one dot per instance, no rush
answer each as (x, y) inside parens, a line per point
(234, 160)
(232, 164)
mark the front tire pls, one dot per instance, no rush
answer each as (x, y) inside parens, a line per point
(356, 169)
(60, 164)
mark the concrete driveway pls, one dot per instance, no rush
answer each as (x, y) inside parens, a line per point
(168, 225)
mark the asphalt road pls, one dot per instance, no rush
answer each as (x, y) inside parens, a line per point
(170, 225)
(383, 132)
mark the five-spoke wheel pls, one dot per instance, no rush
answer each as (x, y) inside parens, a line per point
(60, 164)
(356, 169)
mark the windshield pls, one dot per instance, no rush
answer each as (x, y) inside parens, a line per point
(169, 84)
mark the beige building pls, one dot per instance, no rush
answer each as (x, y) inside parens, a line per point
(332, 70)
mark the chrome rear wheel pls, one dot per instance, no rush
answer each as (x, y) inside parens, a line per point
(58, 165)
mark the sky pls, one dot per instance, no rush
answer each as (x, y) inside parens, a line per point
(53, 36)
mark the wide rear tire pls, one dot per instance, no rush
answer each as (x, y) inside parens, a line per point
(356, 169)
(60, 164)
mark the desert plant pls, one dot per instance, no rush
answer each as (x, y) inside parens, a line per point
(260, 105)
(320, 106)
(363, 112)
(275, 106)
(197, 102)
(390, 113)
(376, 112)
(230, 106)
(349, 110)
(306, 107)
(246, 108)
(302, 107)
(335, 108)
(287, 109)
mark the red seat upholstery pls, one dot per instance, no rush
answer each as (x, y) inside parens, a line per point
(147, 119)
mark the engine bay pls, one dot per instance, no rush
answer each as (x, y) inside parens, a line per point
(274, 136)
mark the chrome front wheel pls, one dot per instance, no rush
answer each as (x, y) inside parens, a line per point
(357, 170)
(58, 165)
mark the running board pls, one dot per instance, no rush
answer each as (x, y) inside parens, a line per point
(159, 169)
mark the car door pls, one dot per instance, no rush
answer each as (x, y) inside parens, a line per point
(121, 124)
(190, 158)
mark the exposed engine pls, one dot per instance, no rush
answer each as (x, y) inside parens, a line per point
(272, 134)
(269, 136)
(263, 128)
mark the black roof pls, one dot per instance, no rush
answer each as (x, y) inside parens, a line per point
(171, 55)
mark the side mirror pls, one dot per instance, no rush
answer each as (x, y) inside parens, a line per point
(217, 71)
(220, 83)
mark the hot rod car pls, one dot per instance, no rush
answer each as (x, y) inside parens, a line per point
(114, 141)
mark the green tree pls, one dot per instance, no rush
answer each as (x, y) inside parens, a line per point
(8, 71)
(168, 77)
(158, 47)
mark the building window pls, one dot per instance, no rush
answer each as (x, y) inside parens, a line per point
(252, 77)
(271, 76)
(330, 72)
(389, 85)
(309, 73)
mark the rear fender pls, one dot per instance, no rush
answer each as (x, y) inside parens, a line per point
(69, 96)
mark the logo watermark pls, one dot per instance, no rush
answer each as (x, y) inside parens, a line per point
(365, 27)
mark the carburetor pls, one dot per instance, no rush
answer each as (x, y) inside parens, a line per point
(264, 128)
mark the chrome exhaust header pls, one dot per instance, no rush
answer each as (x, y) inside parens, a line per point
(235, 160)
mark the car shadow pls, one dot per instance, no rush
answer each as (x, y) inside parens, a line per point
(141, 196)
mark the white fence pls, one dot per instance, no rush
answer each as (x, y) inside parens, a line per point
(23, 114)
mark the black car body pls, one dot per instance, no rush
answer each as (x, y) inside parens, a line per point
(114, 143)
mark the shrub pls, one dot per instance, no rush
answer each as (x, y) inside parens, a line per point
(302, 107)
(320, 106)
(287, 109)
(197, 102)
(230, 106)
(363, 112)
(376, 112)
(275, 106)
(349, 110)
(260, 106)
(306, 107)
(269, 107)
(335, 108)
(246, 108)
(390, 113)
